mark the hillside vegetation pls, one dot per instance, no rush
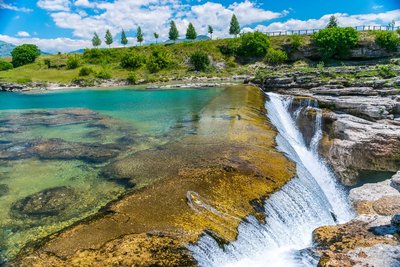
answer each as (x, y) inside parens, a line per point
(160, 62)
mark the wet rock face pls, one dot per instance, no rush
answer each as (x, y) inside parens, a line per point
(50, 202)
(352, 144)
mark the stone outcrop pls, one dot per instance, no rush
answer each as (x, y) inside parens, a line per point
(372, 238)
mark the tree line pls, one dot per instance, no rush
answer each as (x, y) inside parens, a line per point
(173, 33)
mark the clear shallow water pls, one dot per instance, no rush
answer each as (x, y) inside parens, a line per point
(79, 120)
(311, 199)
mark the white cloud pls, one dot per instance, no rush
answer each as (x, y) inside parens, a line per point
(151, 15)
(23, 34)
(49, 45)
(376, 7)
(54, 5)
(344, 20)
(4, 5)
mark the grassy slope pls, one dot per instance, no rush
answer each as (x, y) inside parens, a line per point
(38, 71)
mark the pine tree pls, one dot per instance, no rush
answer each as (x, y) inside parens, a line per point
(235, 26)
(139, 35)
(124, 40)
(156, 37)
(96, 40)
(109, 38)
(191, 33)
(210, 31)
(333, 23)
(173, 32)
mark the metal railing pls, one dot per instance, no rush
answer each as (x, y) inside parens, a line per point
(311, 31)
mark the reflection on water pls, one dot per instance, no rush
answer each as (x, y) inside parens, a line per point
(54, 145)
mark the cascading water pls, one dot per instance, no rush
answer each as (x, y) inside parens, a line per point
(312, 199)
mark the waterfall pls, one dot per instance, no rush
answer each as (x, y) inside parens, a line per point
(311, 199)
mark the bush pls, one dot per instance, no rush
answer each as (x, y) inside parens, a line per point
(72, 62)
(47, 62)
(275, 57)
(85, 71)
(4, 65)
(24, 54)
(398, 31)
(132, 61)
(253, 44)
(132, 78)
(296, 41)
(229, 48)
(200, 61)
(24, 80)
(386, 72)
(388, 40)
(159, 60)
(335, 42)
(104, 74)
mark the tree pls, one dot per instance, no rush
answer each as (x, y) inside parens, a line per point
(173, 32)
(210, 31)
(156, 35)
(124, 40)
(234, 29)
(139, 35)
(333, 23)
(391, 25)
(191, 33)
(24, 54)
(96, 40)
(109, 38)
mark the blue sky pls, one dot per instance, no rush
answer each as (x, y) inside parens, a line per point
(64, 25)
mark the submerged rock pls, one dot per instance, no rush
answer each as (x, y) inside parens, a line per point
(49, 202)
(4, 189)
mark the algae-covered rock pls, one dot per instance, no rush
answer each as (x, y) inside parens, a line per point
(50, 202)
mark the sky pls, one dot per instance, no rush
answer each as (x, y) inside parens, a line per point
(67, 25)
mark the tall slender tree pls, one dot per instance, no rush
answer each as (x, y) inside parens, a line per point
(156, 36)
(96, 41)
(191, 33)
(234, 28)
(108, 38)
(124, 40)
(333, 23)
(139, 35)
(210, 31)
(173, 32)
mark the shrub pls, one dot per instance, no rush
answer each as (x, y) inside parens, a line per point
(398, 31)
(24, 80)
(24, 54)
(132, 61)
(159, 60)
(275, 57)
(104, 74)
(388, 40)
(85, 71)
(200, 61)
(47, 62)
(132, 78)
(387, 72)
(335, 42)
(72, 62)
(4, 65)
(97, 56)
(296, 41)
(253, 44)
(229, 48)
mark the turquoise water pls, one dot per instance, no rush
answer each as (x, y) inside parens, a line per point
(44, 135)
(154, 111)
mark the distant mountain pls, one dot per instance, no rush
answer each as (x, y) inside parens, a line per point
(79, 51)
(5, 49)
